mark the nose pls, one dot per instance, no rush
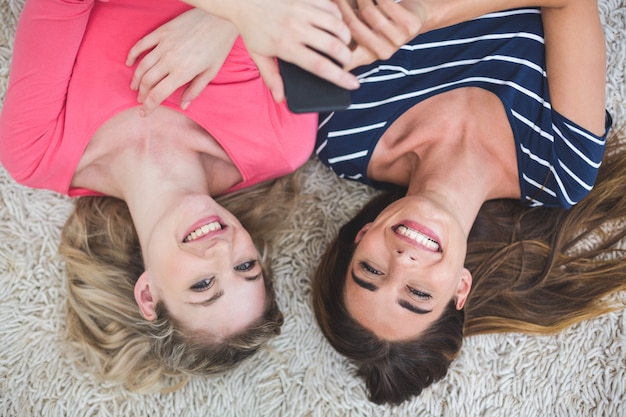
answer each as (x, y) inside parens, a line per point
(220, 248)
(404, 254)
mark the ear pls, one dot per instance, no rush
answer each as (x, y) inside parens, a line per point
(463, 289)
(362, 232)
(144, 297)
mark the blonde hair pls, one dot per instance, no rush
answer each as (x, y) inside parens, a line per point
(103, 261)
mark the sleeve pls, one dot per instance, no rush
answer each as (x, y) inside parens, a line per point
(48, 36)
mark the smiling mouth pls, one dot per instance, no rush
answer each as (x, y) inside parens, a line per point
(202, 231)
(418, 237)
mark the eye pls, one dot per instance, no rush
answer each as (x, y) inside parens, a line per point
(419, 294)
(203, 284)
(246, 266)
(367, 268)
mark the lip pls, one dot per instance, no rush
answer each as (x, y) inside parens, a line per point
(201, 223)
(423, 230)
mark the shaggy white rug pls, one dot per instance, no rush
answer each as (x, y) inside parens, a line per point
(579, 372)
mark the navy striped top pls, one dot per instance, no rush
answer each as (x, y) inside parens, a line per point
(501, 52)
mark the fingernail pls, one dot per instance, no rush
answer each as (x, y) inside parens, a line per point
(185, 104)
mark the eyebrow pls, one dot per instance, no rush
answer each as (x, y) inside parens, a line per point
(210, 301)
(412, 308)
(254, 278)
(363, 284)
(371, 287)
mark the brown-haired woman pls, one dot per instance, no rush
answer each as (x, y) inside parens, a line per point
(465, 120)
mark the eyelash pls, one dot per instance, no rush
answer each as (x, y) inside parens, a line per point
(419, 294)
(367, 268)
(203, 284)
(246, 266)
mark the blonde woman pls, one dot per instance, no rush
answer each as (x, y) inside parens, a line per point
(162, 278)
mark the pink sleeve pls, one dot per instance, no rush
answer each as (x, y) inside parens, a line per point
(49, 34)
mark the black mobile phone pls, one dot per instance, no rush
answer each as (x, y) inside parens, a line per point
(306, 92)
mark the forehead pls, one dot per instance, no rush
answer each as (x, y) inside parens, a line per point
(387, 320)
(236, 309)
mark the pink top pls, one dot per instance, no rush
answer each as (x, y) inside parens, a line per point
(68, 77)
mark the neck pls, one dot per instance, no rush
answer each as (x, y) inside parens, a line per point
(153, 182)
(154, 162)
(459, 182)
(459, 148)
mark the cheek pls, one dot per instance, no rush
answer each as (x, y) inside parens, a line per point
(251, 299)
(359, 302)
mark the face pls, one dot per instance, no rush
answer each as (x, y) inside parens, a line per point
(204, 266)
(407, 266)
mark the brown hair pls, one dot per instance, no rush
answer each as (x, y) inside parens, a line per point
(103, 261)
(535, 270)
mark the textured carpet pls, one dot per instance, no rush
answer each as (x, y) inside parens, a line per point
(579, 372)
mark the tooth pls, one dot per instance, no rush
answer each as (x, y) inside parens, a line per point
(205, 228)
(418, 237)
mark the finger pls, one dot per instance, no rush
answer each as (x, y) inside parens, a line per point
(144, 44)
(364, 36)
(332, 23)
(323, 67)
(381, 20)
(400, 24)
(330, 45)
(146, 64)
(268, 68)
(161, 88)
(150, 79)
(361, 56)
(195, 88)
(330, 7)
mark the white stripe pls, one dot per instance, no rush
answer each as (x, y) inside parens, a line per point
(342, 158)
(463, 41)
(586, 135)
(539, 186)
(399, 72)
(534, 157)
(576, 150)
(533, 126)
(562, 187)
(321, 147)
(326, 120)
(575, 177)
(352, 131)
(546, 189)
(509, 13)
(442, 86)
(535, 203)
(355, 177)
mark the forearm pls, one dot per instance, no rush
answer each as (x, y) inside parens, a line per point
(574, 44)
(576, 62)
(308, 33)
(443, 13)
(229, 10)
(575, 50)
(48, 36)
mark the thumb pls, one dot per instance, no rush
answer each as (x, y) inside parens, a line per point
(268, 68)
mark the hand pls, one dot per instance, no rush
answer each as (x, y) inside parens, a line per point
(380, 28)
(291, 30)
(188, 49)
